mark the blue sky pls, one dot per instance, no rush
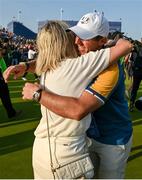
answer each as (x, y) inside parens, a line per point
(32, 11)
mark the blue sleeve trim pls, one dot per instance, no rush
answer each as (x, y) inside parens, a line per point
(96, 94)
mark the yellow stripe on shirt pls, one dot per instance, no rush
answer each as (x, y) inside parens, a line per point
(106, 81)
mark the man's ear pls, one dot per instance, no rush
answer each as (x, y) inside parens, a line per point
(103, 41)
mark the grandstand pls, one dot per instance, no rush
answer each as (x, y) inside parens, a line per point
(113, 25)
(69, 22)
(20, 30)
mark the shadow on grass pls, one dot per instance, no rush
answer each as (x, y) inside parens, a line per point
(135, 115)
(16, 123)
(136, 155)
(139, 122)
(136, 148)
(30, 110)
(16, 142)
(16, 94)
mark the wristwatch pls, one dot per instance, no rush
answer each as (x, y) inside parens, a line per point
(37, 95)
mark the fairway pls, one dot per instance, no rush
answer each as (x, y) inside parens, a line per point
(17, 136)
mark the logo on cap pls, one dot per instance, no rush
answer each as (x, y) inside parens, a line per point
(84, 20)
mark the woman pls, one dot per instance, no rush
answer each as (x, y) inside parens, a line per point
(60, 141)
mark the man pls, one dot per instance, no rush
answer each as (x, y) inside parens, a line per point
(4, 91)
(31, 56)
(110, 136)
(136, 61)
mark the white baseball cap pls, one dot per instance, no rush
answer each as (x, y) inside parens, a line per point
(91, 25)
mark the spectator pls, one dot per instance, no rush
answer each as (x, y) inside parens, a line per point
(16, 56)
(31, 56)
(4, 92)
(136, 59)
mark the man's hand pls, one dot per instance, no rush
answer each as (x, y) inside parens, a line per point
(16, 71)
(29, 89)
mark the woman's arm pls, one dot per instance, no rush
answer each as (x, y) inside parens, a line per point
(19, 70)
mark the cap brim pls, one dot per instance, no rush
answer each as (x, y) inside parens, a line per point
(82, 33)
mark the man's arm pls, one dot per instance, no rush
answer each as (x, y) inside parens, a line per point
(70, 107)
(76, 108)
(122, 48)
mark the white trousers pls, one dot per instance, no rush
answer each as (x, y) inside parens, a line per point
(63, 150)
(109, 160)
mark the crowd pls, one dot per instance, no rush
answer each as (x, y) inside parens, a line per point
(16, 49)
(85, 113)
(13, 50)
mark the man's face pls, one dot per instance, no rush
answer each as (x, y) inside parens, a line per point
(85, 46)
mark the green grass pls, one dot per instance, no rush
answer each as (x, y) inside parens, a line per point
(133, 169)
(17, 136)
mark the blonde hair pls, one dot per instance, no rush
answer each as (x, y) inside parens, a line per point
(54, 46)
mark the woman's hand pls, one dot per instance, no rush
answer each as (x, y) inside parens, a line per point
(16, 71)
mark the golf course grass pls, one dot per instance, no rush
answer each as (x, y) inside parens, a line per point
(17, 136)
